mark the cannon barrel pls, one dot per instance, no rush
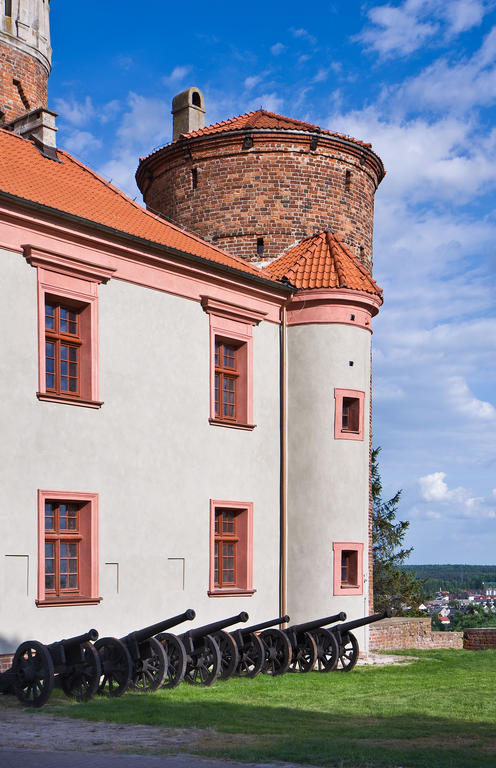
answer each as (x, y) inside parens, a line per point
(92, 635)
(362, 622)
(309, 625)
(216, 626)
(162, 626)
(264, 625)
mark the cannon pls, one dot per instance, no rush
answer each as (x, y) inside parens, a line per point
(311, 644)
(72, 664)
(211, 651)
(348, 648)
(255, 651)
(137, 660)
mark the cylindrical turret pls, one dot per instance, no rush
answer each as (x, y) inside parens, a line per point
(25, 57)
(259, 183)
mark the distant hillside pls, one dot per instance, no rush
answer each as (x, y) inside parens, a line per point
(452, 578)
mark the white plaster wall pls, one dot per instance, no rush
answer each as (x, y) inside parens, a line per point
(328, 479)
(149, 453)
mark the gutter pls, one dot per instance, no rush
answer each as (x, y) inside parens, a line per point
(170, 251)
(283, 472)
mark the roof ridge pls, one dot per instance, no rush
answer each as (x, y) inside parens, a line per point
(356, 261)
(339, 266)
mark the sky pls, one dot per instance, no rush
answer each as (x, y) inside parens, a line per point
(417, 78)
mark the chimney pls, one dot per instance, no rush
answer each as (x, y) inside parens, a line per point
(39, 126)
(188, 109)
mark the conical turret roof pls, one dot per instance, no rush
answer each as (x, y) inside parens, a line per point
(322, 261)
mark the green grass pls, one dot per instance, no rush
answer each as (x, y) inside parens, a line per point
(439, 712)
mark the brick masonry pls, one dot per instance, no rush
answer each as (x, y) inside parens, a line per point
(398, 633)
(5, 661)
(279, 189)
(33, 79)
(479, 638)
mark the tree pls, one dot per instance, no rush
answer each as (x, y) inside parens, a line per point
(393, 586)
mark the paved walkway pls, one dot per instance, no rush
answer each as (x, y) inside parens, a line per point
(22, 758)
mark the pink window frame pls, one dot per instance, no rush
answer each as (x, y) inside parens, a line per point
(89, 548)
(347, 589)
(232, 323)
(339, 432)
(245, 543)
(63, 278)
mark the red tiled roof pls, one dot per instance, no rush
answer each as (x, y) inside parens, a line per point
(262, 119)
(71, 187)
(322, 261)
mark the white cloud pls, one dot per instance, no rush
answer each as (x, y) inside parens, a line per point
(277, 49)
(109, 111)
(79, 142)
(401, 30)
(178, 73)
(321, 76)
(252, 81)
(76, 112)
(269, 101)
(434, 488)
(303, 34)
(463, 400)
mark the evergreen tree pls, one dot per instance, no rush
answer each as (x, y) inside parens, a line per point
(393, 586)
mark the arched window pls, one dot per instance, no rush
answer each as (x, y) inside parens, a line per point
(196, 99)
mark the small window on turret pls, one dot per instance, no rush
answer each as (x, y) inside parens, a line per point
(194, 178)
(195, 99)
(347, 181)
(260, 246)
(8, 7)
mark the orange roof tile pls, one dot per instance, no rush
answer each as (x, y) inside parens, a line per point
(71, 187)
(322, 261)
(263, 119)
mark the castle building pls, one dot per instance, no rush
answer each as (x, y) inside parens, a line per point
(185, 407)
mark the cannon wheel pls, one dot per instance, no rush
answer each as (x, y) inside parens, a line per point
(34, 674)
(277, 652)
(305, 654)
(327, 649)
(82, 682)
(176, 657)
(252, 657)
(229, 654)
(117, 667)
(204, 663)
(150, 670)
(348, 652)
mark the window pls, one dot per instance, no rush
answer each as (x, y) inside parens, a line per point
(62, 348)
(348, 568)
(231, 548)
(349, 414)
(226, 385)
(231, 363)
(8, 7)
(68, 548)
(61, 548)
(67, 327)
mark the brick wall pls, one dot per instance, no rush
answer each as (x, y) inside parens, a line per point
(5, 661)
(479, 638)
(33, 79)
(279, 190)
(397, 633)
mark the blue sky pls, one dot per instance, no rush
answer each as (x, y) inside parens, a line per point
(418, 79)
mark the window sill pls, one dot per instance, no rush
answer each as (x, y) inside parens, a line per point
(61, 601)
(231, 592)
(349, 434)
(231, 424)
(53, 398)
(348, 589)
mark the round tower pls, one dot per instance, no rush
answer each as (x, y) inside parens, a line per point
(25, 57)
(328, 323)
(259, 183)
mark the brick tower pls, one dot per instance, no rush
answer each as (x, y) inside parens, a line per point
(259, 183)
(25, 57)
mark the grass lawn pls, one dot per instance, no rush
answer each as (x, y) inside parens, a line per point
(439, 712)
